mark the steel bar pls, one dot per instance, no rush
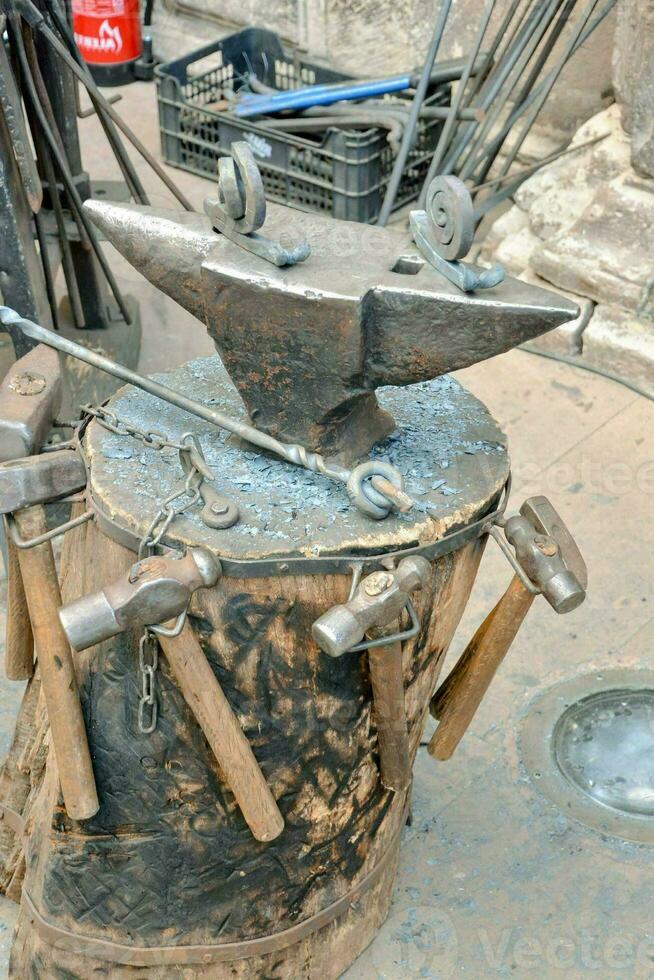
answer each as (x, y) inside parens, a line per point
(456, 111)
(541, 27)
(495, 82)
(13, 112)
(481, 76)
(292, 453)
(534, 75)
(129, 173)
(37, 21)
(418, 99)
(536, 92)
(513, 181)
(47, 268)
(60, 160)
(47, 165)
(554, 74)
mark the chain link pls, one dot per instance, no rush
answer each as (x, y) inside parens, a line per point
(148, 711)
(181, 500)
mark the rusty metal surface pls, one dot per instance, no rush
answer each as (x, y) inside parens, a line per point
(308, 346)
(451, 450)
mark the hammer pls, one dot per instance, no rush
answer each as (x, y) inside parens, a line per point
(550, 560)
(153, 591)
(29, 400)
(377, 602)
(30, 397)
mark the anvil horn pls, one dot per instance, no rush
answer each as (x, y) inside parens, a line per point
(307, 345)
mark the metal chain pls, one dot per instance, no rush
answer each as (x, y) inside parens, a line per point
(148, 711)
(121, 427)
(174, 505)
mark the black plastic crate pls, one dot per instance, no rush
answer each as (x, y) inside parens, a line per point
(345, 174)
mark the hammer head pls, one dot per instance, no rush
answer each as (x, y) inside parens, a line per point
(38, 479)
(548, 554)
(307, 346)
(378, 600)
(30, 397)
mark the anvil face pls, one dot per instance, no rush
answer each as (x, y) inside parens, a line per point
(306, 346)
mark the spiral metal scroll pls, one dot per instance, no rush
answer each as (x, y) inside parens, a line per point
(451, 218)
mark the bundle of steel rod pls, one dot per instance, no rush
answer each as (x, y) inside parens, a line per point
(40, 67)
(527, 49)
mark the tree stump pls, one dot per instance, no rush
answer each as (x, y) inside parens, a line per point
(166, 880)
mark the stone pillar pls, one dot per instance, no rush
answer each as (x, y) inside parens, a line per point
(633, 74)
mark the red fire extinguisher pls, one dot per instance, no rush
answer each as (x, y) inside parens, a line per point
(108, 35)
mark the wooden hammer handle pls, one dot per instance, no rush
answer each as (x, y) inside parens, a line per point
(457, 699)
(19, 642)
(214, 714)
(387, 678)
(57, 669)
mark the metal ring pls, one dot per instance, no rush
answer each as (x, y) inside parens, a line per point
(364, 496)
(450, 216)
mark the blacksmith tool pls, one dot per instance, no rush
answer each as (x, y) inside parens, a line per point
(374, 486)
(30, 397)
(547, 561)
(56, 667)
(154, 590)
(376, 602)
(221, 728)
(444, 233)
(361, 312)
(29, 400)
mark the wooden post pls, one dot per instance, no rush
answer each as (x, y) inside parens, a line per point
(57, 670)
(213, 713)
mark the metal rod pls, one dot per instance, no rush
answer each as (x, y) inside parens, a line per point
(291, 452)
(521, 109)
(455, 110)
(554, 74)
(129, 173)
(534, 74)
(36, 20)
(47, 268)
(501, 33)
(10, 103)
(60, 160)
(495, 81)
(409, 132)
(514, 180)
(540, 29)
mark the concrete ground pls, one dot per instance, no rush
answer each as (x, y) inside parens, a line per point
(496, 880)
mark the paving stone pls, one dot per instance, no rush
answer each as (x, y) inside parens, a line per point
(620, 342)
(607, 253)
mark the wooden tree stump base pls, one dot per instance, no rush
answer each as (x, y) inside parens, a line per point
(166, 880)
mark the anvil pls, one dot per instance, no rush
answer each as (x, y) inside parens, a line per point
(306, 346)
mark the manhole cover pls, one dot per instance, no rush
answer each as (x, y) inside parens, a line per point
(588, 744)
(604, 744)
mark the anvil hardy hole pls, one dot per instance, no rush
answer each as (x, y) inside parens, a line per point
(408, 265)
